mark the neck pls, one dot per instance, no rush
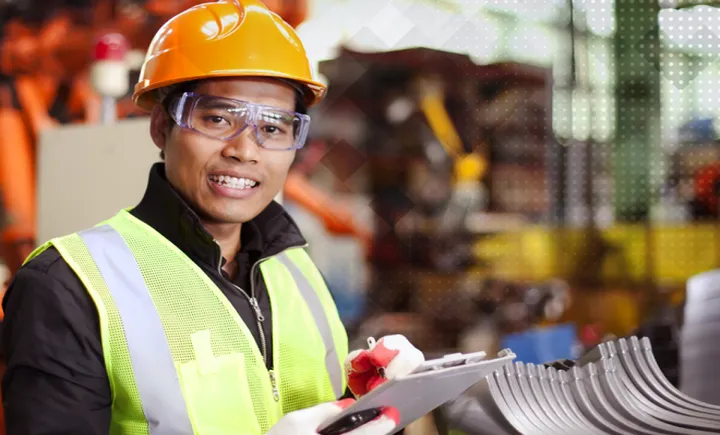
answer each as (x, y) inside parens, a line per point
(228, 237)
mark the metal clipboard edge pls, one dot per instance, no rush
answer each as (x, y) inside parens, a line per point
(418, 394)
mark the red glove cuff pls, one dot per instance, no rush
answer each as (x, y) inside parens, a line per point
(365, 371)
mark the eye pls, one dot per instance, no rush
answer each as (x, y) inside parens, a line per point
(215, 119)
(272, 129)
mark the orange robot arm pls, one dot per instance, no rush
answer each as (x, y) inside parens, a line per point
(337, 219)
(17, 183)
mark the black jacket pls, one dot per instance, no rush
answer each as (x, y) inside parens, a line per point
(56, 381)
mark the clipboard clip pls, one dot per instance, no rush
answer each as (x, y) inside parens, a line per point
(371, 345)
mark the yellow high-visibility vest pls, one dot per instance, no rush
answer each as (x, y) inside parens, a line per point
(179, 358)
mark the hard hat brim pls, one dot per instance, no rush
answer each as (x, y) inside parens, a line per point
(145, 97)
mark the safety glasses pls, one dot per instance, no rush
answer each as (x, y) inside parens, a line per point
(225, 118)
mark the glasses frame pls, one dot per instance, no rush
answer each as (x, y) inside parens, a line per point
(178, 106)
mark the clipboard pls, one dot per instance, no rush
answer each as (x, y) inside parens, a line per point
(429, 386)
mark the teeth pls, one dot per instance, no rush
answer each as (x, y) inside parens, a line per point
(235, 183)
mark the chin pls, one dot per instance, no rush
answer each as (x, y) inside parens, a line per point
(226, 216)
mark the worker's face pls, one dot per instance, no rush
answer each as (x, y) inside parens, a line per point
(194, 162)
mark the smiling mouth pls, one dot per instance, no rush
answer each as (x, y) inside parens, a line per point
(233, 182)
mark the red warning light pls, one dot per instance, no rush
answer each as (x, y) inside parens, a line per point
(111, 46)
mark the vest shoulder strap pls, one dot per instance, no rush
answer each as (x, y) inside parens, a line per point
(59, 240)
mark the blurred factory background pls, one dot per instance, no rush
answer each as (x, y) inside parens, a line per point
(540, 175)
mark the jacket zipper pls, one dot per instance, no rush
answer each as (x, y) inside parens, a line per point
(259, 318)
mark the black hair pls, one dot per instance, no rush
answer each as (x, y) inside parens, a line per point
(177, 90)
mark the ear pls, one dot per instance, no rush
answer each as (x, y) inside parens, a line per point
(159, 127)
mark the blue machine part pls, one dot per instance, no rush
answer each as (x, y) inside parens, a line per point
(541, 345)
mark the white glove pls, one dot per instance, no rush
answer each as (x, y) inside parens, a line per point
(306, 421)
(390, 357)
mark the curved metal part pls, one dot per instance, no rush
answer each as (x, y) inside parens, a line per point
(586, 378)
(503, 397)
(549, 386)
(662, 386)
(537, 403)
(575, 389)
(639, 374)
(637, 407)
(530, 409)
(654, 404)
(561, 391)
(549, 403)
(601, 377)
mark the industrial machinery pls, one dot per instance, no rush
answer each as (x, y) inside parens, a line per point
(416, 122)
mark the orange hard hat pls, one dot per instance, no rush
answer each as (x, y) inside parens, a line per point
(227, 38)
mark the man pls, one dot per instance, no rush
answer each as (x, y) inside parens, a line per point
(198, 310)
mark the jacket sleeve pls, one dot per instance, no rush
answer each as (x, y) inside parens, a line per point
(55, 380)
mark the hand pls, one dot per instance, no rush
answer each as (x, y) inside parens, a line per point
(306, 421)
(390, 357)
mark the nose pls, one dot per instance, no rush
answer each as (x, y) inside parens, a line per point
(243, 148)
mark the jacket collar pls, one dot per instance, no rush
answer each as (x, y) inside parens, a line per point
(271, 232)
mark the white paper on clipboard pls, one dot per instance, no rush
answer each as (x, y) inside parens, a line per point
(431, 385)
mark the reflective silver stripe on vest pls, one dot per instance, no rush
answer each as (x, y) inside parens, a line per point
(332, 363)
(152, 363)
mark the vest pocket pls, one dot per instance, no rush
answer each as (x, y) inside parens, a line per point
(218, 396)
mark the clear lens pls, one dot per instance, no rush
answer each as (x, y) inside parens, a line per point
(276, 128)
(217, 118)
(225, 118)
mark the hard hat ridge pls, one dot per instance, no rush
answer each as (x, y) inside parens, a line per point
(226, 38)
